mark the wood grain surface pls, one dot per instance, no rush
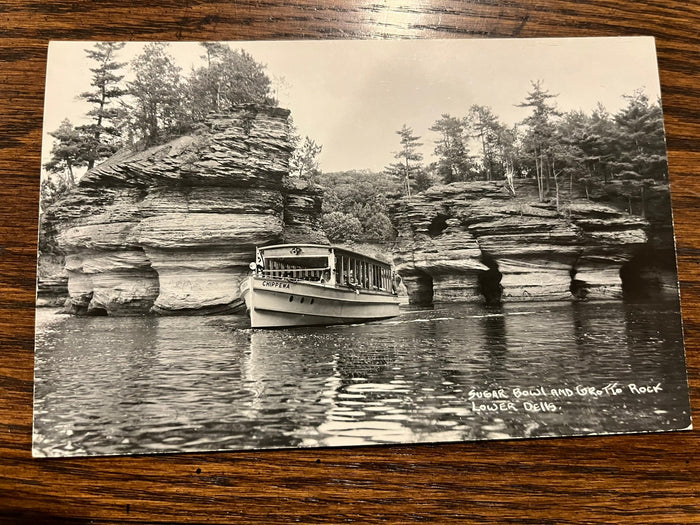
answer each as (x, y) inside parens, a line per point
(650, 478)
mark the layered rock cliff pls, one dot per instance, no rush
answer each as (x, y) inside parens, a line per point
(172, 229)
(474, 240)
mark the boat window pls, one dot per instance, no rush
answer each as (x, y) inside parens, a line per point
(359, 272)
(341, 276)
(312, 268)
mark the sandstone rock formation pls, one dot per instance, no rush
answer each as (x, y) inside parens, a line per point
(52, 281)
(172, 229)
(474, 240)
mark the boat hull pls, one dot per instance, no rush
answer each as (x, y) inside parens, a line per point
(279, 303)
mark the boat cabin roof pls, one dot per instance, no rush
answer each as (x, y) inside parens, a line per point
(314, 250)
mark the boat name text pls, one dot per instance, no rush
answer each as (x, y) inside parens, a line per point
(274, 284)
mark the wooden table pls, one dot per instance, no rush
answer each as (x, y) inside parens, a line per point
(640, 479)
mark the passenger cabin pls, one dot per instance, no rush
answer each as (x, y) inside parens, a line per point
(325, 265)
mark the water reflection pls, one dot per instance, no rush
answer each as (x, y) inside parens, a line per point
(111, 386)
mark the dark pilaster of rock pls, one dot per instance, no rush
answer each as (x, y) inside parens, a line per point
(302, 213)
(172, 229)
(447, 234)
(610, 238)
(52, 281)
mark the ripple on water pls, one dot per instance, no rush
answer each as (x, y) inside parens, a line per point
(124, 385)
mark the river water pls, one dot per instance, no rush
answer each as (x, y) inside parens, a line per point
(454, 372)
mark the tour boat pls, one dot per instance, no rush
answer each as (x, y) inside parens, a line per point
(308, 284)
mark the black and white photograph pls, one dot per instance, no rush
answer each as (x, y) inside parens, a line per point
(282, 244)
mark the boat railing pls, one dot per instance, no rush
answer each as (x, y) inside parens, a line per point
(320, 274)
(299, 270)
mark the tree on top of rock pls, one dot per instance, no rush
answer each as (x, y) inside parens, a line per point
(230, 77)
(304, 160)
(409, 165)
(454, 163)
(157, 110)
(497, 141)
(101, 137)
(640, 126)
(566, 154)
(599, 144)
(540, 134)
(66, 153)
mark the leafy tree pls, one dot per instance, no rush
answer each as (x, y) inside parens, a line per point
(409, 159)
(453, 157)
(341, 227)
(101, 137)
(157, 110)
(377, 227)
(67, 152)
(360, 195)
(304, 160)
(214, 50)
(53, 189)
(508, 149)
(229, 78)
(345, 189)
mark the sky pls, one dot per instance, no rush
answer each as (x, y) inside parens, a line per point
(351, 96)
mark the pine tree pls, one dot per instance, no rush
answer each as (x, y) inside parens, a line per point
(566, 153)
(101, 138)
(304, 160)
(540, 134)
(600, 147)
(640, 128)
(409, 159)
(66, 153)
(486, 128)
(453, 163)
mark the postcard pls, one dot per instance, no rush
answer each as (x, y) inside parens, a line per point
(262, 245)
